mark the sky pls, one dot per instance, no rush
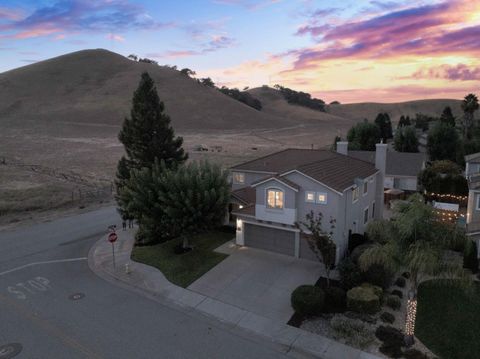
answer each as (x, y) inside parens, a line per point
(348, 51)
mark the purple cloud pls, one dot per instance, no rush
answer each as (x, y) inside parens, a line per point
(460, 72)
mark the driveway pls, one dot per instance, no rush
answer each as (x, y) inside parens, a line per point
(258, 281)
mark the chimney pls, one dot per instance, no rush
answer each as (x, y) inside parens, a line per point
(381, 157)
(342, 147)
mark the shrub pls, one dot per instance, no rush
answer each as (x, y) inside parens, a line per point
(335, 300)
(378, 275)
(355, 241)
(387, 317)
(398, 293)
(470, 259)
(414, 354)
(350, 274)
(400, 282)
(393, 302)
(387, 333)
(375, 289)
(354, 332)
(363, 300)
(406, 275)
(392, 350)
(308, 300)
(358, 251)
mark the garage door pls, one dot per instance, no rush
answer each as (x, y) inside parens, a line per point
(270, 239)
(305, 251)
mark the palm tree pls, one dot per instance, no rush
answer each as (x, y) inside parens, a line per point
(417, 242)
(469, 106)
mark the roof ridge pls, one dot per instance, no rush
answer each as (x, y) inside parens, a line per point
(277, 152)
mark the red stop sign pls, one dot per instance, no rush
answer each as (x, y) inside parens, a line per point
(112, 237)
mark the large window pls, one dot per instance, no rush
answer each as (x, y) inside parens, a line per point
(238, 177)
(310, 196)
(355, 194)
(321, 198)
(275, 198)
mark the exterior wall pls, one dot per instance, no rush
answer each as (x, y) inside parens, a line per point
(473, 215)
(472, 168)
(250, 177)
(389, 182)
(287, 215)
(401, 182)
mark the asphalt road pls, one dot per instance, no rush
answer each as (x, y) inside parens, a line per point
(43, 266)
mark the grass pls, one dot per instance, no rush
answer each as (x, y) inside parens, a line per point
(448, 320)
(184, 269)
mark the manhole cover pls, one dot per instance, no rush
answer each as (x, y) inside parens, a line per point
(75, 296)
(10, 350)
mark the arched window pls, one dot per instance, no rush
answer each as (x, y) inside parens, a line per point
(275, 198)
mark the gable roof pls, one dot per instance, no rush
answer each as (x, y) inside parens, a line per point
(282, 180)
(398, 163)
(330, 168)
(246, 195)
(474, 157)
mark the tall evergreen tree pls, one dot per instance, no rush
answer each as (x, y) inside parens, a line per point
(447, 116)
(443, 143)
(385, 125)
(404, 121)
(406, 140)
(363, 136)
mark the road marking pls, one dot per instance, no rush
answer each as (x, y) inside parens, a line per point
(45, 262)
(38, 284)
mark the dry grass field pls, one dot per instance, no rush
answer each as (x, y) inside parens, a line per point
(60, 119)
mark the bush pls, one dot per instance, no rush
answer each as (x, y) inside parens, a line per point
(414, 354)
(392, 350)
(375, 288)
(358, 251)
(335, 300)
(363, 300)
(389, 334)
(354, 332)
(470, 259)
(393, 302)
(350, 274)
(406, 275)
(398, 293)
(387, 317)
(355, 241)
(308, 300)
(400, 282)
(378, 275)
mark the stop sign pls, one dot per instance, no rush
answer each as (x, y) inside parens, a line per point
(112, 237)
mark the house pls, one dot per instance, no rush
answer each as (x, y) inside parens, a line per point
(272, 193)
(402, 167)
(472, 173)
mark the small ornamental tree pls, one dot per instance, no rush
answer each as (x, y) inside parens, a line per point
(319, 241)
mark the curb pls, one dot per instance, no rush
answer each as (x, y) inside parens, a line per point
(290, 339)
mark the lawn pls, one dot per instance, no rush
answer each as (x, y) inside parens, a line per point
(184, 269)
(448, 321)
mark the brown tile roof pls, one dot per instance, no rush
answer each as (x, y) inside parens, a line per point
(398, 163)
(246, 195)
(333, 169)
(247, 210)
(281, 179)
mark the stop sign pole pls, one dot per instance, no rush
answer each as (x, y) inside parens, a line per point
(112, 237)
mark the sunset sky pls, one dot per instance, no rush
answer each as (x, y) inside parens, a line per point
(350, 51)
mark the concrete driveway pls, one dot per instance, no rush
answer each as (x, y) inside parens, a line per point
(258, 281)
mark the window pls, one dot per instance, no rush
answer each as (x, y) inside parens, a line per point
(275, 199)
(310, 196)
(321, 198)
(478, 202)
(373, 209)
(365, 188)
(238, 178)
(365, 215)
(355, 194)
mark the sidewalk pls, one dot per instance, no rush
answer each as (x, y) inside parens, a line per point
(151, 280)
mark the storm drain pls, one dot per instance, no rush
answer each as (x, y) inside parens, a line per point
(75, 296)
(11, 350)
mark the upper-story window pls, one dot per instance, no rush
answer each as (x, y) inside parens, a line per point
(355, 194)
(478, 202)
(365, 215)
(275, 198)
(365, 188)
(321, 198)
(310, 196)
(238, 177)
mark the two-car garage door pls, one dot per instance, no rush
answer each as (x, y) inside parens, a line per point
(270, 239)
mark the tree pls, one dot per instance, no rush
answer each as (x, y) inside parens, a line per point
(186, 71)
(172, 202)
(443, 177)
(385, 125)
(207, 81)
(121, 180)
(443, 143)
(242, 96)
(334, 144)
(447, 116)
(363, 136)
(417, 242)
(469, 106)
(406, 140)
(422, 121)
(133, 57)
(319, 241)
(147, 134)
(404, 121)
(301, 98)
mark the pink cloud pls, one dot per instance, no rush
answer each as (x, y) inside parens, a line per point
(115, 37)
(460, 72)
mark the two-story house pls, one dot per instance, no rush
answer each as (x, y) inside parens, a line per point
(274, 192)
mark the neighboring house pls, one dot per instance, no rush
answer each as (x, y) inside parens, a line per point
(402, 167)
(472, 173)
(272, 193)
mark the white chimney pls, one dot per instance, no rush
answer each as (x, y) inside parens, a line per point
(381, 157)
(342, 147)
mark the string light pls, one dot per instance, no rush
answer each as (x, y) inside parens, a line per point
(411, 316)
(446, 195)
